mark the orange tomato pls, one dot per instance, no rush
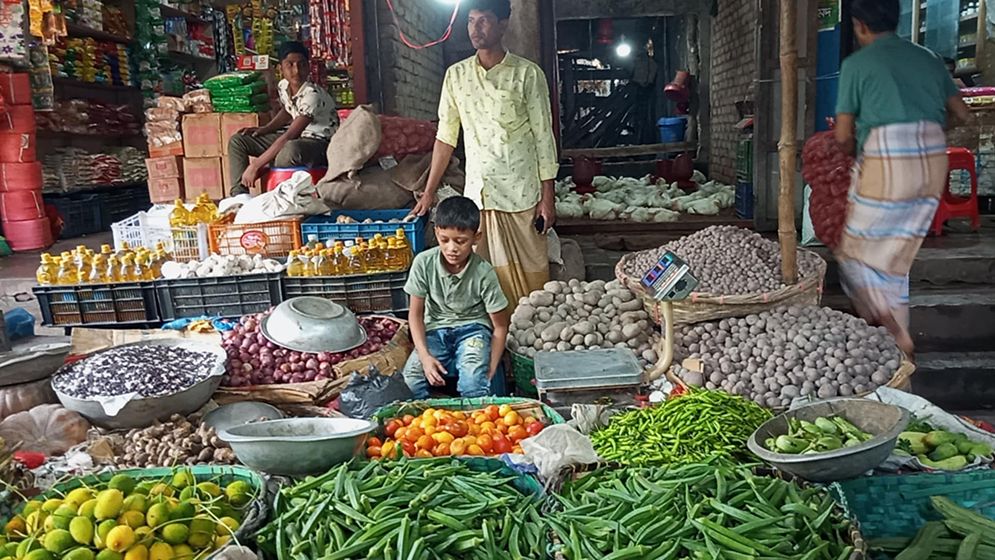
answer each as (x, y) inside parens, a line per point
(425, 442)
(408, 447)
(408, 419)
(392, 427)
(417, 423)
(486, 443)
(413, 434)
(373, 451)
(516, 433)
(460, 428)
(502, 427)
(480, 418)
(474, 450)
(441, 450)
(504, 409)
(457, 447)
(428, 412)
(512, 418)
(424, 454)
(459, 415)
(429, 421)
(529, 419)
(488, 427)
(443, 437)
(534, 428)
(474, 430)
(440, 414)
(374, 442)
(400, 433)
(470, 440)
(388, 449)
(492, 412)
(502, 445)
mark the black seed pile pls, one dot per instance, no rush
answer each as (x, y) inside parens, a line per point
(150, 370)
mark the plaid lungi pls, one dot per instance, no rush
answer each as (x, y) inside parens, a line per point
(895, 191)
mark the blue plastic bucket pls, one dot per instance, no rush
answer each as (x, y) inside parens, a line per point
(672, 129)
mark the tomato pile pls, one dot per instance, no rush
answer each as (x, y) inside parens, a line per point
(826, 168)
(438, 433)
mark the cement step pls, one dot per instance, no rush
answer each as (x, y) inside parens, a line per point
(963, 381)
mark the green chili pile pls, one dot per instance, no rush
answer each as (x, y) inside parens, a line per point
(692, 428)
(408, 510)
(696, 511)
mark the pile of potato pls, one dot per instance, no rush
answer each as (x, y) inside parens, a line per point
(178, 441)
(789, 351)
(579, 315)
(727, 260)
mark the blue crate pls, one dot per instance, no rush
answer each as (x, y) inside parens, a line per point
(325, 228)
(744, 200)
(82, 214)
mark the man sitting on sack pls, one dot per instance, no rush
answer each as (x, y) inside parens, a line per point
(297, 136)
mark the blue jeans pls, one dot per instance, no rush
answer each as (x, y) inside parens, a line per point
(465, 352)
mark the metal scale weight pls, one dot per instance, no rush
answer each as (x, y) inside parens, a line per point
(615, 374)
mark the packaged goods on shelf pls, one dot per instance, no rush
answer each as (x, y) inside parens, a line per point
(89, 60)
(69, 169)
(81, 116)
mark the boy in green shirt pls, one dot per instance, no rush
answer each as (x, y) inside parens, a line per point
(458, 314)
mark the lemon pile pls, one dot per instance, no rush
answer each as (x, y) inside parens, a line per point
(176, 518)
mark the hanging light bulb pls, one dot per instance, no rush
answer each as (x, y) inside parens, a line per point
(623, 50)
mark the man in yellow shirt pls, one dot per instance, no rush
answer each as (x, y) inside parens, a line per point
(502, 102)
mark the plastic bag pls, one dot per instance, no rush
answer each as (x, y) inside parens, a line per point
(365, 394)
(19, 324)
(232, 79)
(294, 197)
(559, 446)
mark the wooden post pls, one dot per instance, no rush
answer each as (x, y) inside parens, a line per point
(787, 152)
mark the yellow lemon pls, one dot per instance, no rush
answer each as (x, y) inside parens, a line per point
(175, 533)
(136, 502)
(51, 505)
(137, 552)
(87, 508)
(58, 541)
(160, 551)
(80, 553)
(182, 552)
(157, 515)
(209, 488)
(226, 526)
(81, 528)
(76, 497)
(108, 554)
(133, 519)
(109, 504)
(120, 538)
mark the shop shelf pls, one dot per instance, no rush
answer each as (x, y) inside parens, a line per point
(325, 226)
(122, 303)
(82, 214)
(372, 293)
(223, 296)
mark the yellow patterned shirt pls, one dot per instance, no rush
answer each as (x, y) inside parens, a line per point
(507, 119)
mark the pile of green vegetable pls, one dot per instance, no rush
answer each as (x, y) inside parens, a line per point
(961, 535)
(694, 427)
(697, 511)
(819, 436)
(411, 510)
(940, 449)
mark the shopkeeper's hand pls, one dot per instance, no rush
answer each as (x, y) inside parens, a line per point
(252, 173)
(250, 131)
(434, 371)
(425, 204)
(547, 209)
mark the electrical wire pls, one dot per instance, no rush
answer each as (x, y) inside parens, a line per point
(409, 43)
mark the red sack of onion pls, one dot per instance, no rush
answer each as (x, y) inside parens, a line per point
(826, 168)
(403, 136)
(254, 360)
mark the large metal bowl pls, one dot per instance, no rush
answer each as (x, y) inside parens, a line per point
(239, 413)
(141, 412)
(883, 421)
(297, 446)
(313, 324)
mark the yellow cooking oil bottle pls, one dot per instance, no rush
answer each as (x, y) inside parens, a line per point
(143, 265)
(316, 261)
(48, 272)
(393, 260)
(295, 267)
(180, 216)
(404, 247)
(100, 273)
(161, 246)
(201, 213)
(126, 269)
(124, 250)
(106, 250)
(68, 270)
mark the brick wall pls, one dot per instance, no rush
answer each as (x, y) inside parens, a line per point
(732, 72)
(412, 79)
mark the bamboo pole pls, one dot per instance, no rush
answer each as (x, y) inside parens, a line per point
(786, 148)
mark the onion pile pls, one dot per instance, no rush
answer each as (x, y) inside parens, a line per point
(254, 360)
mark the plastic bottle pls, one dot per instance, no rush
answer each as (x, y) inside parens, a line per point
(404, 247)
(392, 256)
(294, 264)
(160, 246)
(180, 216)
(374, 255)
(123, 251)
(158, 259)
(312, 240)
(128, 271)
(316, 262)
(68, 271)
(100, 273)
(143, 263)
(106, 250)
(48, 272)
(114, 269)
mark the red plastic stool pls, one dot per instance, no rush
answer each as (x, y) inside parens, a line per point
(277, 175)
(953, 206)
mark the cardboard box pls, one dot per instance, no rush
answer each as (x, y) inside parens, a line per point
(252, 62)
(202, 135)
(166, 189)
(174, 149)
(257, 187)
(203, 175)
(164, 167)
(232, 123)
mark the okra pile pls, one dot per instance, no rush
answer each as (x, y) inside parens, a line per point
(692, 428)
(430, 508)
(695, 511)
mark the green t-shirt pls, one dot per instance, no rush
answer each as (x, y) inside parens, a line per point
(454, 300)
(893, 81)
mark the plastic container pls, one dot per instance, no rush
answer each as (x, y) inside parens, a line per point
(17, 147)
(123, 201)
(122, 303)
(225, 296)
(145, 230)
(82, 214)
(20, 176)
(373, 293)
(325, 228)
(523, 372)
(277, 175)
(270, 239)
(17, 206)
(28, 235)
(587, 369)
(672, 129)
(744, 200)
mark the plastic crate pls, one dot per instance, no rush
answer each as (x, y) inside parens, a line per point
(121, 303)
(325, 228)
(371, 293)
(524, 374)
(744, 201)
(121, 202)
(81, 214)
(270, 239)
(744, 160)
(144, 230)
(224, 296)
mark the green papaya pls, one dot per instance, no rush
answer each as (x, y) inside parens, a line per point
(916, 441)
(937, 438)
(955, 463)
(944, 451)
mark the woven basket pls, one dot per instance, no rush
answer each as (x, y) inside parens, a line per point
(701, 307)
(898, 505)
